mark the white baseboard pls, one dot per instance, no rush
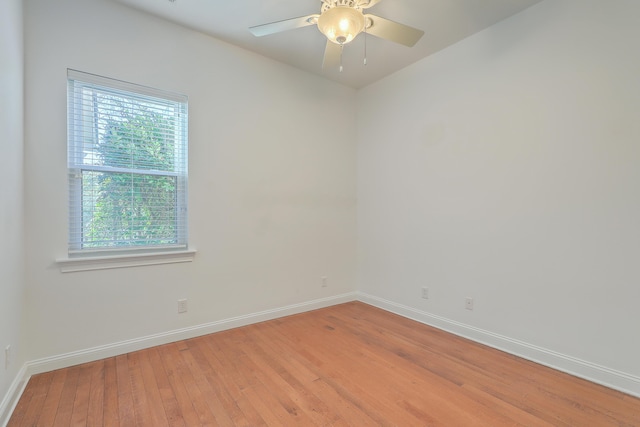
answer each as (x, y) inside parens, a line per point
(602, 375)
(122, 347)
(96, 353)
(10, 400)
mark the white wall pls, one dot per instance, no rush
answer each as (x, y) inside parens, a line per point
(271, 185)
(11, 211)
(507, 168)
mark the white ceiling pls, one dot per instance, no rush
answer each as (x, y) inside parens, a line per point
(444, 22)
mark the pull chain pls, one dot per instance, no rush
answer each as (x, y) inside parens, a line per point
(341, 50)
(365, 44)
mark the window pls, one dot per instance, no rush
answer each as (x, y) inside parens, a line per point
(127, 159)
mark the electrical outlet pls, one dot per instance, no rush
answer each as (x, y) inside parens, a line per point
(325, 281)
(468, 303)
(182, 306)
(425, 293)
(7, 356)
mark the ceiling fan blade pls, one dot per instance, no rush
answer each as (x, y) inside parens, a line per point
(287, 24)
(366, 4)
(394, 31)
(332, 54)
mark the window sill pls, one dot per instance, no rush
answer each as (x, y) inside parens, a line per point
(72, 265)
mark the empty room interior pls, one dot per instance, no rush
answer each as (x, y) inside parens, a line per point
(430, 218)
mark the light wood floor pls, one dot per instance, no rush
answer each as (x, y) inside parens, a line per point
(348, 365)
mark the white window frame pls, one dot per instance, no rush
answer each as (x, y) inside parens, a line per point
(91, 257)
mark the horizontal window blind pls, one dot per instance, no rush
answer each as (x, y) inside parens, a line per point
(127, 159)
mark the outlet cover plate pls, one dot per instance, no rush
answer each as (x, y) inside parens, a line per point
(468, 303)
(182, 306)
(7, 356)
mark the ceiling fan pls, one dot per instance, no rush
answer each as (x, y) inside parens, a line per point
(341, 21)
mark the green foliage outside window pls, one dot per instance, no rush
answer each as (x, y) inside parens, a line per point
(131, 208)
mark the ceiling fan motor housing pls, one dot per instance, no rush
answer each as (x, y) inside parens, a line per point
(328, 4)
(341, 20)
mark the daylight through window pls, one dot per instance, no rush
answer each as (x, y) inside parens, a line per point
(127, 159)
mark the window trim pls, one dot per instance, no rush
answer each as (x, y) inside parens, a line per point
(80, 259)
(90, 263)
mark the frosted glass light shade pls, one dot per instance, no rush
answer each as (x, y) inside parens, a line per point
(341, 24)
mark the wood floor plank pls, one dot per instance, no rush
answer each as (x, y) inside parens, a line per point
(284, 374)
(50, 407)
(345, 404)
(23, 403)
(145, 403)
(215, 397)
(346, 365)
(240, 378)
(158, 416)
(198, 399)
(67, 397)
(110, 410)
(126, 412)
(95, 410)
(408, 378)
(284, 402)
(36, 398)
(167, 396)
(211, 372)
(169, 356)
(80, 409)
(228, 371)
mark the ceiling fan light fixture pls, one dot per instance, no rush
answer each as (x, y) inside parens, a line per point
(341, 24)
